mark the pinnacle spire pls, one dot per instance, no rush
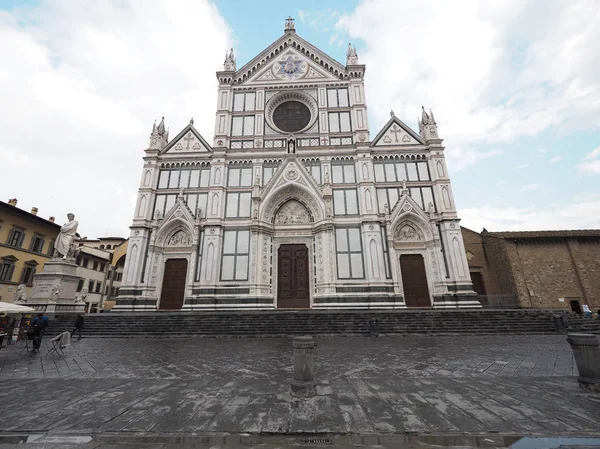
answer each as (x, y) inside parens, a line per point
(161, 127)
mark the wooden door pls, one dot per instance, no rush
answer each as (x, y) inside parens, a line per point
(414, 280)
(292, 277)
(173, 288)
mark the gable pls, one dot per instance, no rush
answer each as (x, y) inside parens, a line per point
(290, 66)
(188, 141)
(321, 62)
(396, 133)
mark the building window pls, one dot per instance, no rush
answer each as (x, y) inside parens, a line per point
(80, 285)
(238, 205)
(101, 246)
(184, 179)
(343, 173)
(200, 249)
(15, 238)
(386, 253)
(401, 171)
(244, 102)
(102, 267)
(37, 244)
(242, 126)
(234, 263)
(7, 267)
(239, 176)
(314, 168)
(98, 287)
(91, 286)
(95, 266)
(339, 122)
(349, 253)
(345, 202)
(423, 196)
(28, 272)
(269, 170)
(337, 98)
(84, 262)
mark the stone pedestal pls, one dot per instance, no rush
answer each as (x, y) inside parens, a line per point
(587, 357)
(303, 384)
(55, 287)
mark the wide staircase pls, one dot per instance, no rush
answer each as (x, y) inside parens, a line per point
(312, 322)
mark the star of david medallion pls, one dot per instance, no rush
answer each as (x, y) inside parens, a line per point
(291, 174)
(290, 68)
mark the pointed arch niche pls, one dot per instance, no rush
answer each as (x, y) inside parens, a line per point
(273, 203)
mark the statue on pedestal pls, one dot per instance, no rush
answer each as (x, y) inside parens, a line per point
(21, 294)
(65, 241)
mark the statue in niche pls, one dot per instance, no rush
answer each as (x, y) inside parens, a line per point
(179, 238)
(157, 214)
(291, 145)
(408, 233)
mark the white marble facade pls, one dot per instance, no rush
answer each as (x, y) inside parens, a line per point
(291, 163)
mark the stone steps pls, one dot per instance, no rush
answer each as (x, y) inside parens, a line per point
(285, 323)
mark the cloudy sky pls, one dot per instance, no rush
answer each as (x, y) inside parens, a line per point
(514, 86)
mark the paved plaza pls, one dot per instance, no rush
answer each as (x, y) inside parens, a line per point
(366, 386)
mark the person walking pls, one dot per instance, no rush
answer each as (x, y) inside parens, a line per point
(40, 323)
(78, 326)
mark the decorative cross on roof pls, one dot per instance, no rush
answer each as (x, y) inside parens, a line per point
(289, 23)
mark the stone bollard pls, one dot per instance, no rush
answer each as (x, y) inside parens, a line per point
(587, 357)
(303, 385)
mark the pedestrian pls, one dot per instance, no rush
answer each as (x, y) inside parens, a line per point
(586, 311)
(40, 323)
(78, 326)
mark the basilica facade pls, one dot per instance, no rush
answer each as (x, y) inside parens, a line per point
(292, 205)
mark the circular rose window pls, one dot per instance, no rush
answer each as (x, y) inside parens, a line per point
(291, 116)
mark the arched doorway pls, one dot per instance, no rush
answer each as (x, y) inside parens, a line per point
(173, 287)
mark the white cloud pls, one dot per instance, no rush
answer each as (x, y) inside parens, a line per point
(530, 187)
(576, 215)
(84, 81)
(590, 168)
(492, 72)
(541, 150)
(593, 154)
(555, 159)
(460, 158)
(593, 166)
(523, 166)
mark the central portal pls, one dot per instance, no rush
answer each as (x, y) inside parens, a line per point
(173, 288)
(292, 277)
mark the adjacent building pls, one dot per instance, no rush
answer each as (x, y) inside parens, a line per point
(293, 205)
(536, 269)
(26, 243)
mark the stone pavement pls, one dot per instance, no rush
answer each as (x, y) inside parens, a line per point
(367, 386)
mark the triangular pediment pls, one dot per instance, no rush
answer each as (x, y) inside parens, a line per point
(290, 66)
(396, 133)
(291, 172)
(179, 211)
(188, 140)
(273, 64)
(406, 217)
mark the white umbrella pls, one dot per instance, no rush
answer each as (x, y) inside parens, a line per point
(7, 307)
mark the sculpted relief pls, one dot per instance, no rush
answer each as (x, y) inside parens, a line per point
(292, 212)
(178, 239)
(408, 233)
